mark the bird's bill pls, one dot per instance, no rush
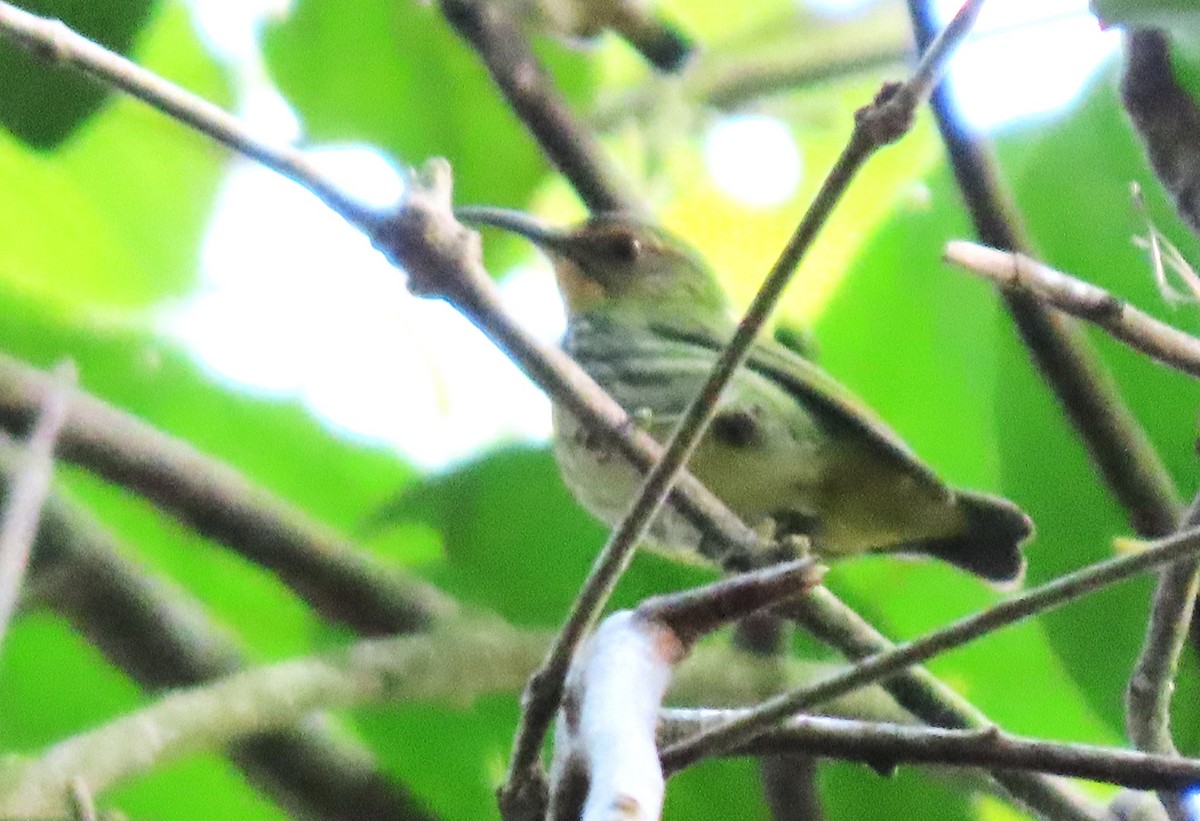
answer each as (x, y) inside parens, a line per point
(515, 222)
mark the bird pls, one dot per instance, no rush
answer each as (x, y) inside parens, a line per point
(659, 41)
(789, 448)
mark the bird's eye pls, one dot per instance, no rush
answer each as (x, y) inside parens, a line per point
(624, 247)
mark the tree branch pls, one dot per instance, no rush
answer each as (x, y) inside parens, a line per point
(885, 746)
(339, 581)
(1054, 594)
(525, 84)
(1115, 441)
(161, 638)
(27, 491)
(1081, 299)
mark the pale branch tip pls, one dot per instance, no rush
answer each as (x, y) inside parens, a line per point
(1082, 299)
(605, 748)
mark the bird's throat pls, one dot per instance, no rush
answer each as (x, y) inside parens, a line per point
(579, 292)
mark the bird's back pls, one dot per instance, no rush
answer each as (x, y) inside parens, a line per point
(787, 443)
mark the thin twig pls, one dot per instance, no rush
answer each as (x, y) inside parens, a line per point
(1081, 299)
(925, 696)
(884, 746)
(1164, 256)
(53, 41)
(1040, 599)
(523, 81)
(27, 491)
(1152, 681)
(887, 119)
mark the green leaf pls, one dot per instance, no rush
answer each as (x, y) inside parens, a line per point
(1181, 18)
(113, 219)
(392, 74)
(43, 105)
(932, 364)
(55, 685)
(1092, 155)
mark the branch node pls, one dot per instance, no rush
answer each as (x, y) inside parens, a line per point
(423, 237)
(889, 116)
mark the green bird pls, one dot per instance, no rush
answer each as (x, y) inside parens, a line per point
(789, 448)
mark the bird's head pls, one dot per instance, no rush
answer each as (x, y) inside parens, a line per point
(615, 260)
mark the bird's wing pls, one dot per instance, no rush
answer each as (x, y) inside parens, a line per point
(829, 401)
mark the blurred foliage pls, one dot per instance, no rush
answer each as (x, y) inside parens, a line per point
(132, 191)
(28, 85)
(103, 206)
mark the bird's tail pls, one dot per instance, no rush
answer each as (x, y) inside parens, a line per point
(990, 542)
(661, 43)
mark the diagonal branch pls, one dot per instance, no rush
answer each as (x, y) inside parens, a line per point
(527, 87)
(1054, 594)
(161, 639)
(1091, 303)
(342, 583)
(885, 746)
(26, 494)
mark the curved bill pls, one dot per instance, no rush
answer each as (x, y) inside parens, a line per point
(516, 222)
